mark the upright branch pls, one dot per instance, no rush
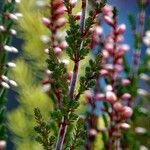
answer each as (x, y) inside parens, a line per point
(8, 17)
(63, 127)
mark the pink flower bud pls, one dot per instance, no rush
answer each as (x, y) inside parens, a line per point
(108, 88)
(124, 126)
(107, 10)
(126, 96)
(57, 50)
(105, 53)
(109, 46)
(73, 2)
(46, 21)
(98, 30)
(60, 22)
(121, 29)
(92, 132)
(118, 68)
(63, 44)
(78, 15)
(109, 67)
(100, 96)
(118, 107)
(111, 97)
(109, 20)
(103, 72)
(125, 82)
(2, 144)
(127, 112)
(120, 38)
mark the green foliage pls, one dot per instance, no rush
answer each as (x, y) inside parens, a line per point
(5, 39)
(91, 74)
(43, 130)
(59, 73)
(78, 137)
(132, 21)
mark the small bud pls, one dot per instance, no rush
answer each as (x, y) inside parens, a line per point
(98, 30)
(13, 83)
(17, 1)
(46, 87)
(65, 61)
(46, 21)
(46, 51)
(63, 44)
(103, 72)
(5, 85)
(146, 41)
(7, 48)
(2, 144)
(109, 67)
(60, 22)
(125, 82)
(13, 16)
(11, 64)
(40, 3)
(142, 92)
(10, 49)
(78, 15)
(145, 77)
(108, 88)
(121, 29)
(111, 97)
(100, 96)
(14, 50)
(45, 39)
(13, 31)
(127, 112)
(57, 50)
(126, 96)
(107, 10)
(140, 130)
(73, 3)
(48, 72)
(2, 28)
(142, 147)
(4, 78)
(118, 107)
(148, 51)
(147, 33)
(124, 126)
(19, 15)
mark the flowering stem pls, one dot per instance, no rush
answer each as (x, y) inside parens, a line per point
(64, 126)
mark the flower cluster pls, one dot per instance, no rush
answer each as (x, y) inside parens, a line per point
(7, 20)
(111, 73)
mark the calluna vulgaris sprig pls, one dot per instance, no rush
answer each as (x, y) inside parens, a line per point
(8, 17)
(62, 90)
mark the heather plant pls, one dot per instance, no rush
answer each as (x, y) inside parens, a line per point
(76, 87)
(8, 18)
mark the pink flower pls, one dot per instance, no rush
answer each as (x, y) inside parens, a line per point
(118, 106)
(111, 97)
(127, 112)
(121, 29)
(126, 96)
